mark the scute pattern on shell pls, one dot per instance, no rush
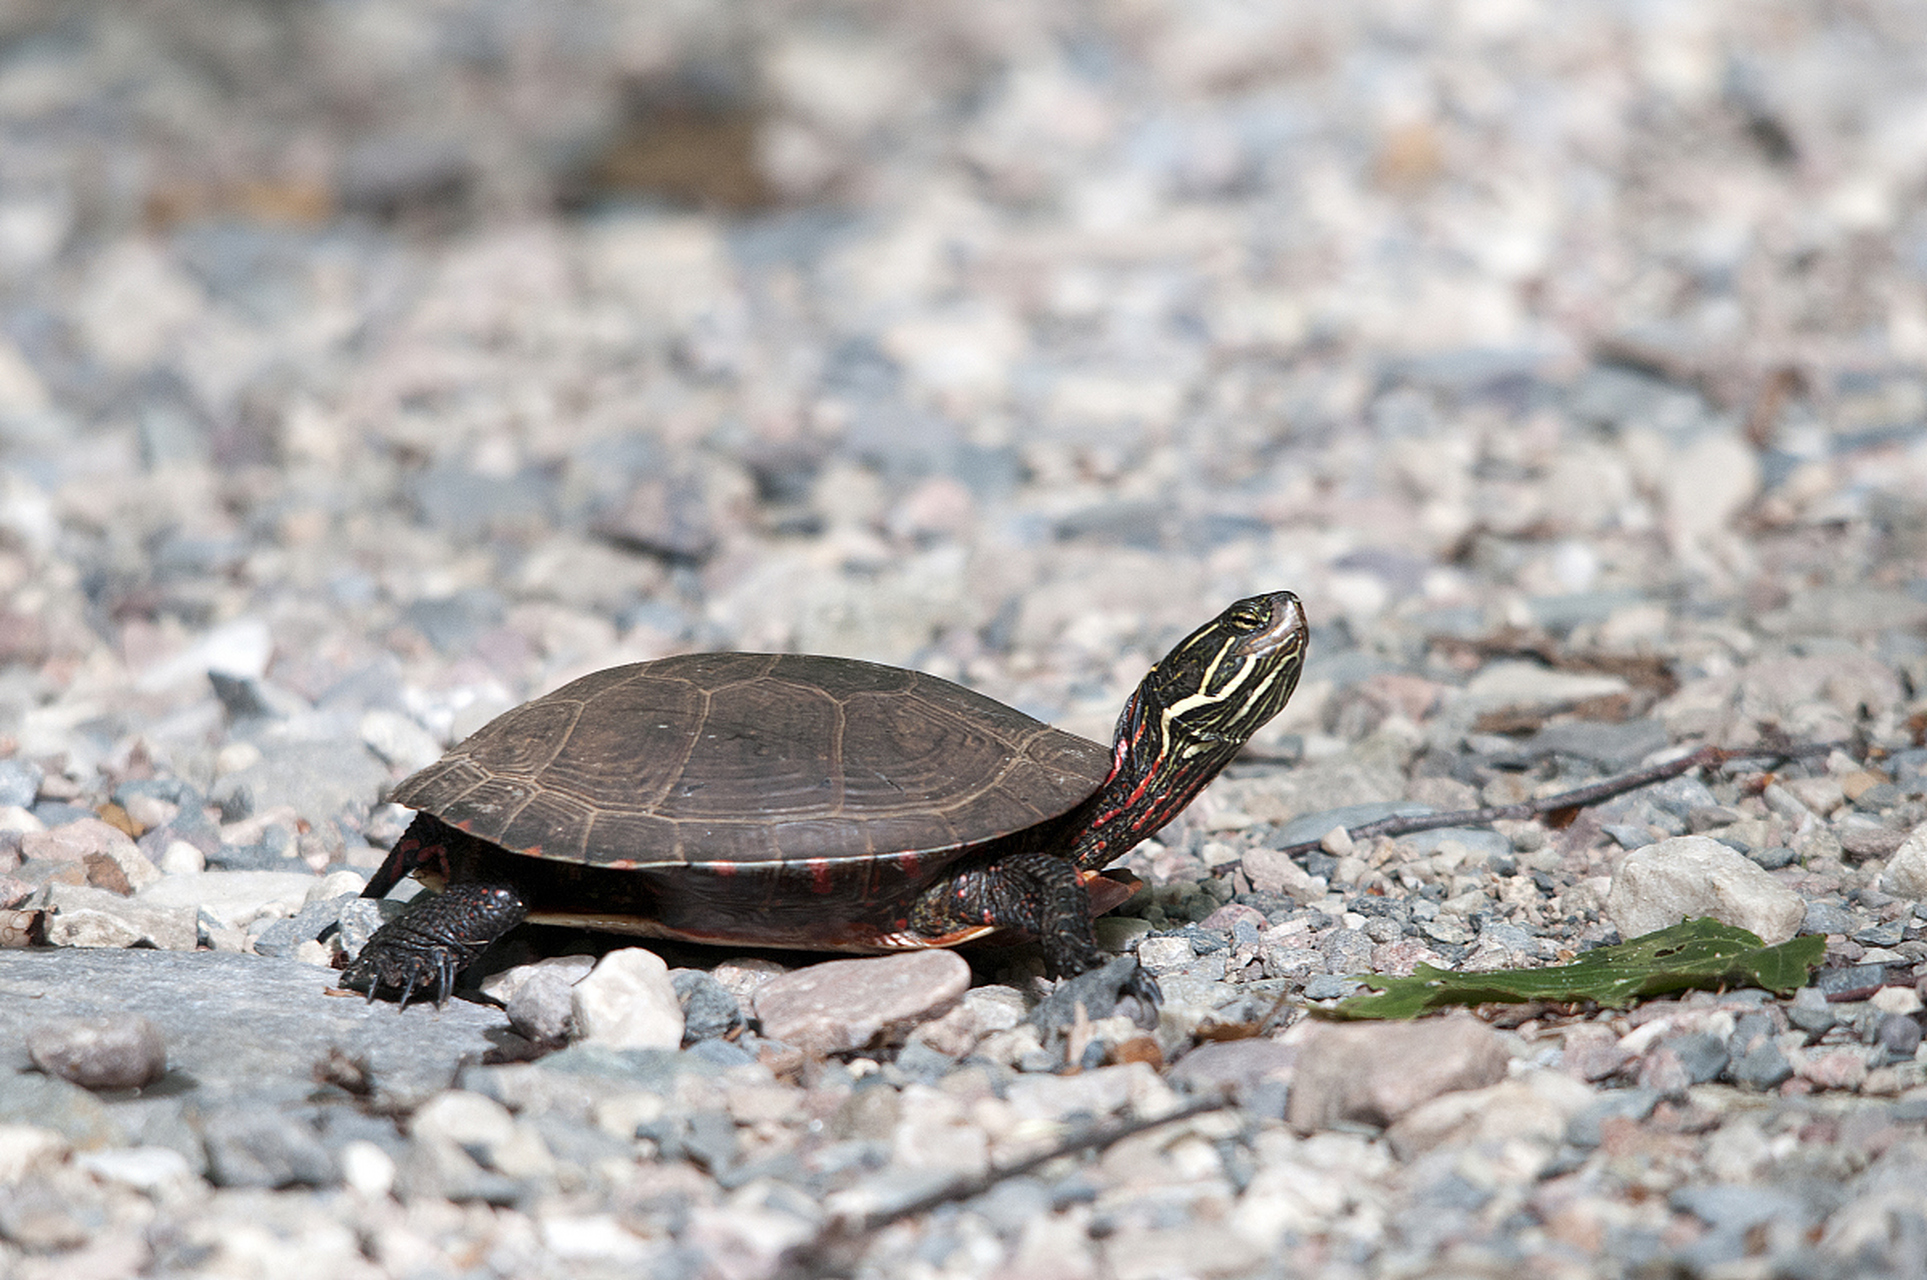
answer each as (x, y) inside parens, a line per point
(752, 758)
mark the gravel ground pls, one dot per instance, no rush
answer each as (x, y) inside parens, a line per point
(368, 367)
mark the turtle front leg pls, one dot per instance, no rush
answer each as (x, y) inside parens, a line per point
(433, 941)
(1040, 895)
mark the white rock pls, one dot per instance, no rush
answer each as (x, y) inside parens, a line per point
(1273, 872)
(503, 986)
(24, 1146)
(1165, 953)
(235, 899)
(1900, 1000)
(464, 1118)
(367, 1168)
(399, 740)
(1906, 874)
(1528, 684)
(14, 818)
(333, 885)
(628, 1002)
(80, 916)
(240, 648)
(479, 1124)
(1687, 876)
(180, 858)
(147, 1169)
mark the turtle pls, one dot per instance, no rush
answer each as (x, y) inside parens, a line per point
(815, 803)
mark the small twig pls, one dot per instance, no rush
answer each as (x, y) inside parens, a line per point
(1097, 1139)
(811, 1260)
(1578, 798)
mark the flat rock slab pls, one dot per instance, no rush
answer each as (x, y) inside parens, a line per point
(844, 1004)
(239, 1028)
(1375, 1072)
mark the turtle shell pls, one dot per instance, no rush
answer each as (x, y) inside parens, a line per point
(727, 761)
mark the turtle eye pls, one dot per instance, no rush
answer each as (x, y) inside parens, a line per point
(1247, 616)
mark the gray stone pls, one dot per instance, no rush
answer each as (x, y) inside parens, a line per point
(454, 623)
(360, 918)
(708, 1009)
(1703, 1055)
(1611, 746)
(116, 1051)
(1330, 986)
(1855, 982)
(1906, 873)
(242, 1027)
(282, 937)
(1773, 857)
(263, 1147)
(1888, 934)
(542, 1009)
(1347, 950)
(19, 783)
(1484, 846)
(29, 1098)
(1810, 1011)
(1764, 1066)
(1864, 839)
(1584, 1130)
(1312, 826)
(1828, 917)
(318, 780)
(1899, 1034)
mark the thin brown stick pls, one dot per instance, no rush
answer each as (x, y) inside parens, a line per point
(814, 1258)
(1577, 798)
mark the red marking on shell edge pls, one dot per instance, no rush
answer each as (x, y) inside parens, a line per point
(819, 875)
(723, 869)
(910, 862)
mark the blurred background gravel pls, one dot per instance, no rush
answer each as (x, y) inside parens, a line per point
(396, 360)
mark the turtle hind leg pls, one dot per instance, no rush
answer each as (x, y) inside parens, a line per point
(1041, 895)
(429, 945)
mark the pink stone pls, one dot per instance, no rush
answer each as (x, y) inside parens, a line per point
(1376, 1072)
(845, 1004)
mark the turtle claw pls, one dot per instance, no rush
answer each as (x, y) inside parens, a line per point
(426, 947)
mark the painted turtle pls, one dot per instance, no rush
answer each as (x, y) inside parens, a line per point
(783, 800)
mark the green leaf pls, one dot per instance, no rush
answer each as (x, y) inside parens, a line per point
(1699, 954)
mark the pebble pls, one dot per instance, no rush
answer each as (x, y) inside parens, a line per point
(80, 916)
(708, 1009)
(1906, 872)
(845, 1004)
(1690, 876)
(627, 1002)
(1375, 1073)
(542, 1007)
(114, 1052)
(265, 1148)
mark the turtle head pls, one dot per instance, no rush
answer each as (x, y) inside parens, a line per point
(1226, 679)
(1187, 720)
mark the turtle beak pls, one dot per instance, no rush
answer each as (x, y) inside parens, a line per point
(1286, 629)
